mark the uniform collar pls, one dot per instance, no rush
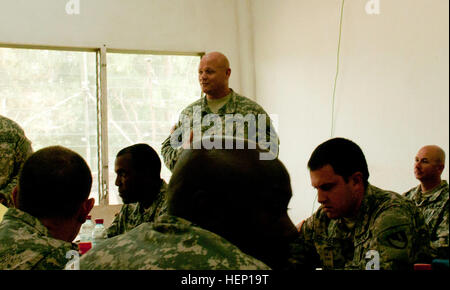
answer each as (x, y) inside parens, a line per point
(228, 108)
(35, 223)
(159, 196)
(170, 219)
(434, 194)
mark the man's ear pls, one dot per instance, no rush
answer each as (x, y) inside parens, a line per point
(228, 72)
(357, 179)
(85, 209)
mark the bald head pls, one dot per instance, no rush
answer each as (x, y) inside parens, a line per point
(429, 164)
(434, 153)
(214, 72)
(217, 58)
(236, 177)
(234, 194)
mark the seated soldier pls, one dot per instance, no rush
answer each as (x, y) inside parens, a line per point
(51, 205)
(358, 226)
(431, 196)
(228, 210)
(141, 188)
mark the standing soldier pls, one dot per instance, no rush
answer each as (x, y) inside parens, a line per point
(220, 104)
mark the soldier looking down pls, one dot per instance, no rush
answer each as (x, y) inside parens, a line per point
(358, 226)
(141, 188)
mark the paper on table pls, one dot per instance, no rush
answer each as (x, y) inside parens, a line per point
(3, 209)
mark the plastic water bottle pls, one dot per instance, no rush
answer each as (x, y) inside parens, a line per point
(99, 232)
(86, 230)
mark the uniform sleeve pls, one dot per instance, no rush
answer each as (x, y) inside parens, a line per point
(441, 246)
(55, 260)
(22, 151)
(170, 154)
(303, 251)
(267, 135)
(401, 238)
(115, 228)
(162, 207)
(272, 137)
(6, 192)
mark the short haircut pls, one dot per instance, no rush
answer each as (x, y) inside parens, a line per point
(234, 180)
(144, 158)
(343, 155)
(53, 183)
(237, 195)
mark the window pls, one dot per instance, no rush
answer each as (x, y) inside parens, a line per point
(146, 93)
(52, 95)
(56, 97)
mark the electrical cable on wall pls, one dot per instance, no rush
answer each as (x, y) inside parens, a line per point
(337, 70)
(335, 81)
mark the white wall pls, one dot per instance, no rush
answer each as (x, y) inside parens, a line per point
(168, 25)
(392, 93)
(158, 25)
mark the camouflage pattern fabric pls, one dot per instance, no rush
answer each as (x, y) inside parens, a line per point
(236, 105)
(25, 244)
(386, 222)
(14, 150)
(435, 208)
(133, 214)
(303, 255)
(169, 243)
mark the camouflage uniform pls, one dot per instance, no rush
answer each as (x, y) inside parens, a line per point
(133, 214)
(14, 149)
(169, 243)
(236, 105)
(435, 208)
(26, 244)
(386, 222)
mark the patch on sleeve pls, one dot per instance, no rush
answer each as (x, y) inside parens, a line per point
(398, 240)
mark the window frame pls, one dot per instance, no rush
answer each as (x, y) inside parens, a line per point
(101, 99)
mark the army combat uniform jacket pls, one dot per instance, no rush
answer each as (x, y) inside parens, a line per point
(14, 150)
(389, 234)
(236, 105)
(435, 208)
(133, 214)
(169, 243)
(25, 244)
